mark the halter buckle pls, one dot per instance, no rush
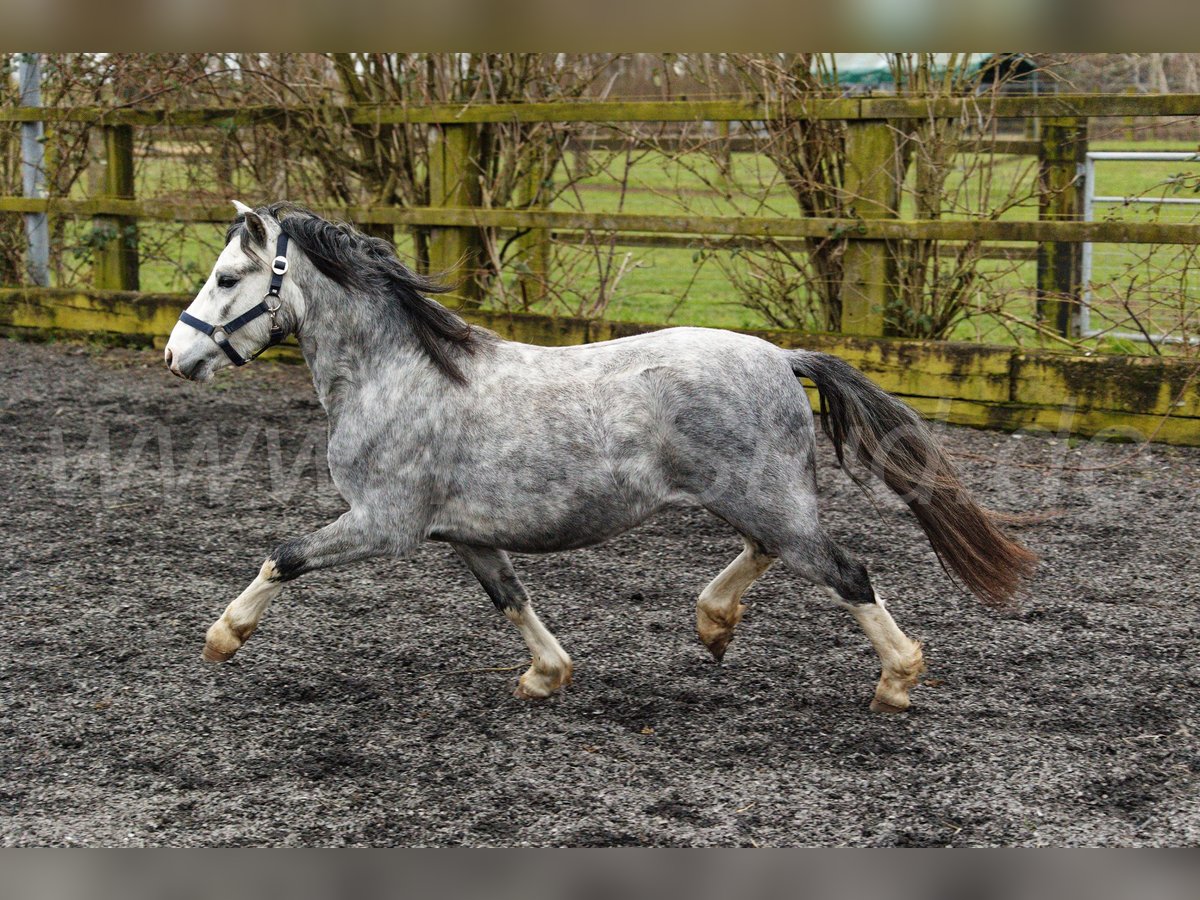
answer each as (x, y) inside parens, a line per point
(279, 265)
(272, 310)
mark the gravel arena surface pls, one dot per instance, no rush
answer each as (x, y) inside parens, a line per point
(374, 705)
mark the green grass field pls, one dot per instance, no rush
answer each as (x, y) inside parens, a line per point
(681, 287)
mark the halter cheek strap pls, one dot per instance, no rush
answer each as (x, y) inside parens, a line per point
(268, 307)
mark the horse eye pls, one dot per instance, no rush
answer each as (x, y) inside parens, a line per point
(226, 281)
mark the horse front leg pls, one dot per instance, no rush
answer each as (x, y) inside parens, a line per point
(346, 540)
(550, 667)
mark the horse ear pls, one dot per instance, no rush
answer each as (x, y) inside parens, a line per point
(257, 228)
(258, 231)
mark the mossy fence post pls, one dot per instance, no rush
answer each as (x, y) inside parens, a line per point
(534, 244)
(872, 190)
(116, 251)
(454, 252)
(724, 154)
(1061, 161)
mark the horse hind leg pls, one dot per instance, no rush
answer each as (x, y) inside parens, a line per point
(824, 562)
(719, 608)
(901, 657)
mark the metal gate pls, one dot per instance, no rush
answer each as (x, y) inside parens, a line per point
(1089, 204)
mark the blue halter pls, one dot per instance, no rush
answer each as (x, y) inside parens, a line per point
(220, 333)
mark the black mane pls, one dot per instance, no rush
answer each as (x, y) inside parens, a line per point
(370, 265)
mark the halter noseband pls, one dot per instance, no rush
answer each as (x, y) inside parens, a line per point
(220, 333)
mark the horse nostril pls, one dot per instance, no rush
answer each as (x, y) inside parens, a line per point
(168, 355)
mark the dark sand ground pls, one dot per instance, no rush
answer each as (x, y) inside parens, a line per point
(349, 718)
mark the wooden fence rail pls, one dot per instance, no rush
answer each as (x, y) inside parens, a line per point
(749, 226)
(601, 111)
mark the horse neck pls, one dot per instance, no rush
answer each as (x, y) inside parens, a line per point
(346, 337)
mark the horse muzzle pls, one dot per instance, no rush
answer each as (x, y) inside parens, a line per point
(190, 367)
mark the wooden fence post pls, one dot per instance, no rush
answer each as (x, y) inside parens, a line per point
(454, 252)
(724, 153)
(1061, 161)
(534, 245)
(116, 252)
(873, 192)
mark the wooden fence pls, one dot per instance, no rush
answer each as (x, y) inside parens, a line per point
(1126, 397)
(455, 217)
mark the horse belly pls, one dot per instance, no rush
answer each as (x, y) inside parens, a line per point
(551, 512)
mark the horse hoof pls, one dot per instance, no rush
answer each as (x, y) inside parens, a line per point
(538, 685)
(718, 647)
(879, 706)
(222, 641)
(213, 655)
(716, 633)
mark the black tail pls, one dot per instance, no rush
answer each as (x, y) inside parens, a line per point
(889, 439)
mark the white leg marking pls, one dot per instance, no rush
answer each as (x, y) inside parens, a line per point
(719, 608)
(900, 656)
(240, 618)
(551, 668)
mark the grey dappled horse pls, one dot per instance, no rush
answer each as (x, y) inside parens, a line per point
(442, 431)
